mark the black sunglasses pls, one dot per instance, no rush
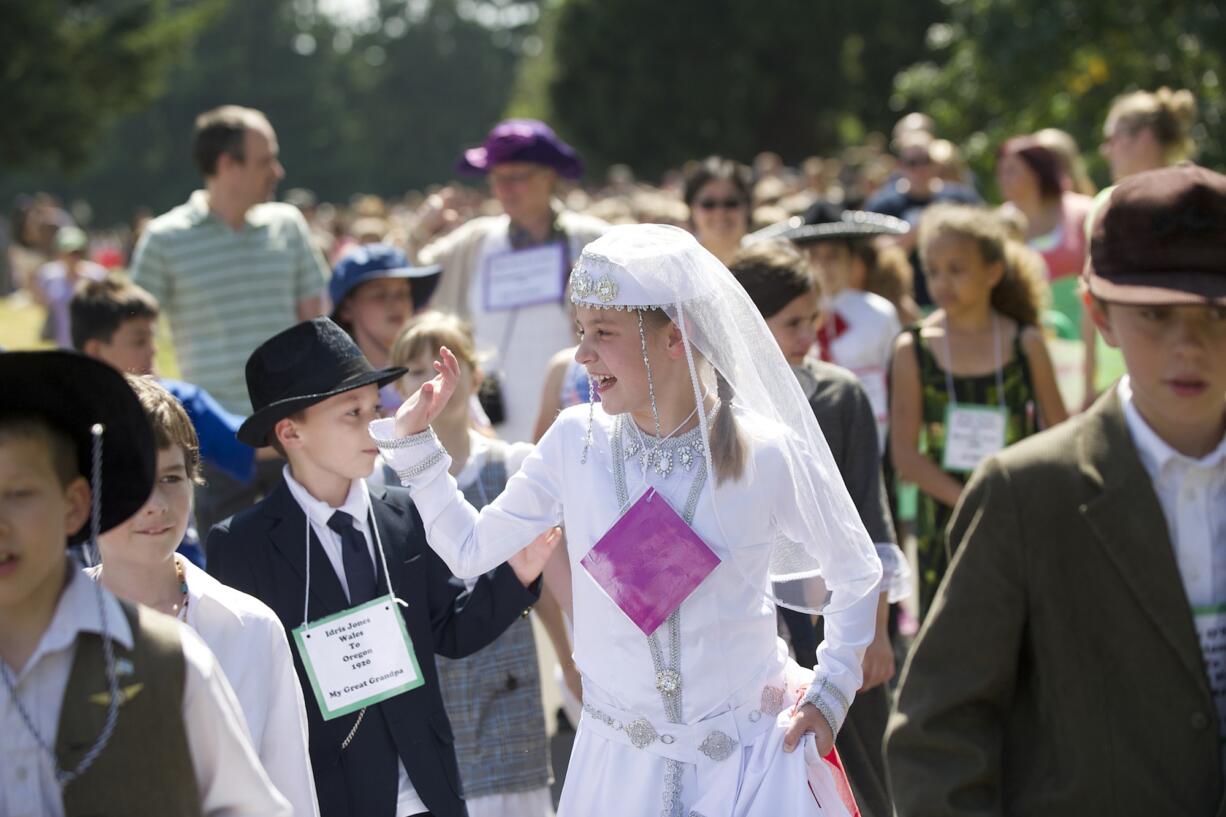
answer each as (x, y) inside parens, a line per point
(727, 204)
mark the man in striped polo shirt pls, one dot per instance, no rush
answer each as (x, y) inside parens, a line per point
(230, 268)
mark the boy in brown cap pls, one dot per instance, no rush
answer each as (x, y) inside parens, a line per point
(1074, 661)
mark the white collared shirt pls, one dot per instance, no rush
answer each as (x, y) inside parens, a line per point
(228, 772)
(1193, 498)
(250, 645)
(1192, 493)
(357, 505)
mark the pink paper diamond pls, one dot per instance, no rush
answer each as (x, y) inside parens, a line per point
(650, 561)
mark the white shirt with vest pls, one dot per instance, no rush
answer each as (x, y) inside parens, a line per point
(230, 778)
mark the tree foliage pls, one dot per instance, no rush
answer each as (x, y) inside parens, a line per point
(653, 84)
(1003, 67)
(70, 68)
(381, 101)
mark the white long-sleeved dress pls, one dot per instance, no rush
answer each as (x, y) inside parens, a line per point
(713, 746)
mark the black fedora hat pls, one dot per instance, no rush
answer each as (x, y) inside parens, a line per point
(73, 393)
(304, 365)
(827, 222)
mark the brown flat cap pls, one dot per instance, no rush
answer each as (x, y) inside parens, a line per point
(1160, 238)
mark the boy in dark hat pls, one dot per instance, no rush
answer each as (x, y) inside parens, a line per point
(390, 753)
(98, 695)
(1074, 660)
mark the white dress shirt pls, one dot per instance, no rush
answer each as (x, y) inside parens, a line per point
(230, 778)
(250, 645)
(1192, 493)
(357, 505)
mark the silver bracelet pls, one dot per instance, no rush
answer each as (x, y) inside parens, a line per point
(420, 438)
(822, 704)
(407, 475)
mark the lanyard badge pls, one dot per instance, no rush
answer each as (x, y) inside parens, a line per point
(359, 656)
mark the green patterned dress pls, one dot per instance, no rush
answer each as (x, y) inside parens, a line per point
(932, 552)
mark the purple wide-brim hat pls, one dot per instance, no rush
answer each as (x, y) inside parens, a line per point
(522, 140)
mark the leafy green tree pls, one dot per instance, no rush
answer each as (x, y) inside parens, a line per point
(380, 102)
(653, 84)
(998, 68)
(70, 68)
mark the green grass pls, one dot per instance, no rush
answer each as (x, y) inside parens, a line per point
(21, 319)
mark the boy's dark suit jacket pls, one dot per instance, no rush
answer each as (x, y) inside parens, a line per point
(260, 551)
(1059, 671)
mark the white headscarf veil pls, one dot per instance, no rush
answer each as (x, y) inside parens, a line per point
(831, 562)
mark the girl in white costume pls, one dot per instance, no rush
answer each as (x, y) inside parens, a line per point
(707, 715)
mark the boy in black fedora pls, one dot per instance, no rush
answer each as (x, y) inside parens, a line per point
(390, 753)
(1073, 660)
(105, 708)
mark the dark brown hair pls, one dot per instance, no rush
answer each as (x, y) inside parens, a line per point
(728, 449)
(1043, 162)
(1022, 290)
(169, 421)
(715, 168)
(99, 308)
(774, 274)
(222, 130)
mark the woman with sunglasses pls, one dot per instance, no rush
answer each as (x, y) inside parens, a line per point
(719, 193)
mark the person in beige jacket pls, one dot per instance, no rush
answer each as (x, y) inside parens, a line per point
(523, 160)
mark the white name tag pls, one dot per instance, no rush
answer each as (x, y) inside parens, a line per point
(525, 277)
(358, 657)
(971, 434)
(1211, 627)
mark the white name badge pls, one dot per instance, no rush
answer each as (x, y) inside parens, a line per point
(1211, 627)
(358, 657)
(525, 277)
(971, 434)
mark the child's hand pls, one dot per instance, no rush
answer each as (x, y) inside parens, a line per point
(415, 414)
(529, 562)
(808, 719)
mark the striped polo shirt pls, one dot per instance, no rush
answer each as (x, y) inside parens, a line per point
(226, 291)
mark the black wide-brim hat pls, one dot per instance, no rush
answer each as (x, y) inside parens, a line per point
(827, 222)
(304, 365)
(73, 393)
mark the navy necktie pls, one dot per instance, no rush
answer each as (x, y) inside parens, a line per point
(355, 556)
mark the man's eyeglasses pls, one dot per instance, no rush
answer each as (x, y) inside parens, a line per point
(915, 160)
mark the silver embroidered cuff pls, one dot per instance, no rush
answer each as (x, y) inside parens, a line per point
(829, 701)
(411, 473)
(421, 438)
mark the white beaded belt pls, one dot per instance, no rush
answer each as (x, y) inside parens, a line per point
(715, 738)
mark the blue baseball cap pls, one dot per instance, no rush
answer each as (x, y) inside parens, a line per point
(369, 262)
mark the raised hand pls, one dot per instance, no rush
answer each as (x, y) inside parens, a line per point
(415, 414)
(529, 562)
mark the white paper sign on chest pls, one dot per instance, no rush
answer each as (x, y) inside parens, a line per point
(971, 434)
(358, 657)
(525, 277)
